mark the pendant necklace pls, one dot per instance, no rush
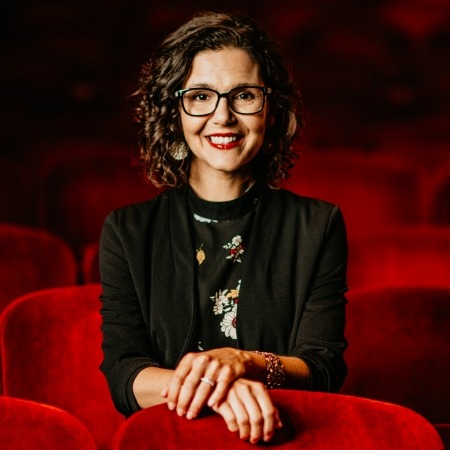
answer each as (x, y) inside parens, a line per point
(200, 255)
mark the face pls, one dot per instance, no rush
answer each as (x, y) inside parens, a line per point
(224, 142)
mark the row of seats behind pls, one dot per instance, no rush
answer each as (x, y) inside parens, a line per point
(70, 193)
(398, 255)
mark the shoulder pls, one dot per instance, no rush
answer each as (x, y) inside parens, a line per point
(296, 204)
(311, 215)
(139, 216)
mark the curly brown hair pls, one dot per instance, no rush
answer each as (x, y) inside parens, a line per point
(157, 110)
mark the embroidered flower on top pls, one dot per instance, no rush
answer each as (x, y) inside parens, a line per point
(236, 249)
(226, 302)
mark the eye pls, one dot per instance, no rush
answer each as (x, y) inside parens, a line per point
(200, 96)
(244, 95)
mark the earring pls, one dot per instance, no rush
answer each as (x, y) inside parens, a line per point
(179, 150)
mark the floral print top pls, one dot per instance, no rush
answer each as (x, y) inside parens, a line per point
(221, 233)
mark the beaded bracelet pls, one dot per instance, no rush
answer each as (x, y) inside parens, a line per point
(275, 374)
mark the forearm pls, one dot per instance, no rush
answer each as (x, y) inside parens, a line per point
(148, 385)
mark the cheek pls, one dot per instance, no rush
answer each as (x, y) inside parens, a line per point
(191, 126)
(259, 130)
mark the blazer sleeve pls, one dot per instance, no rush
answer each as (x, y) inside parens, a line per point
(320, 339)
(126, 343)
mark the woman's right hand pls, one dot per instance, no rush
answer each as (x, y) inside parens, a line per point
(249, 410)
(205, 378)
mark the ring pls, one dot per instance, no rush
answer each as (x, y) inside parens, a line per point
(207, 381)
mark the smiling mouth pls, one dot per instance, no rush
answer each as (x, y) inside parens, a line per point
(222, 140)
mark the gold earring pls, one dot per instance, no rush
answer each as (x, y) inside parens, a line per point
(179, 150)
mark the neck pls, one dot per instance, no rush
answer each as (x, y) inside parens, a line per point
(220, 189)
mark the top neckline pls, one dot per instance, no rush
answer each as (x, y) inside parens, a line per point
(230, 209)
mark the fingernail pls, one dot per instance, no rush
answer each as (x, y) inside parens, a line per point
(180, 412)
(171, 406)
(190, 415)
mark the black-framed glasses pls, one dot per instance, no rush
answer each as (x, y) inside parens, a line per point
(204, 101)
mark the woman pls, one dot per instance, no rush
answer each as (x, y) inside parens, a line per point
(223, 286)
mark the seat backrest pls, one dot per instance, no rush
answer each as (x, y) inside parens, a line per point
(370, 189)
(90, 269)
(440, 195)
(32, 259)
(400, 255)
(311, 420)
(51, 343)
(27, 425)
(399, 348)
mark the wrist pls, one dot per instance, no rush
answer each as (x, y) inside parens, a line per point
(274, 374)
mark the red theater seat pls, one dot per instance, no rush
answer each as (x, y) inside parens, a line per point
(32, 259)
(371, 189)
(311, 420)
(26, 425)
(441, 195)
(80, 185)
(399, 348)
(51, 343)
(400, 256)
(90, 270)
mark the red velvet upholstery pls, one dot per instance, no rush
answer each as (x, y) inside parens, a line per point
(81, 185)
(400, 255)
(370, 189)
(441, 195)
(399, 348)
(90, 270)
(26, 425)
(311, 420)
(32, 259)
(51, 346)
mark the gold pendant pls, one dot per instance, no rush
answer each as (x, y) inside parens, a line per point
(200, 255)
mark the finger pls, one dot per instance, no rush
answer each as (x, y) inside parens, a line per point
(278, 422)
(270, 415)
(202, 394)
(193, 384)
(165, 391)
(228, 416)
(256, 421)
(225, 378)
(241, 414)
(175, 383)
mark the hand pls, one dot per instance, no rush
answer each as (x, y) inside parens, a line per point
(188, 394)
(249, 410)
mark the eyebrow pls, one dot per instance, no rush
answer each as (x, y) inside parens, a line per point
(208, 86)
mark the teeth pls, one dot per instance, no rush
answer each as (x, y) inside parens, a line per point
(222, 140)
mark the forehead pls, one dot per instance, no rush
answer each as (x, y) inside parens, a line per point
(223, 68)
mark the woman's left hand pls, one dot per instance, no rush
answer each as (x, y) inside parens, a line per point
(249, 411)
(205, 377)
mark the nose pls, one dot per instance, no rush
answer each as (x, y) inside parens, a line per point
(223, 113)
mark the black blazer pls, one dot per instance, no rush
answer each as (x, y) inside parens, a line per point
(292, 296)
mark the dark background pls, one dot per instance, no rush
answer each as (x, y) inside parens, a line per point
(372, 72)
